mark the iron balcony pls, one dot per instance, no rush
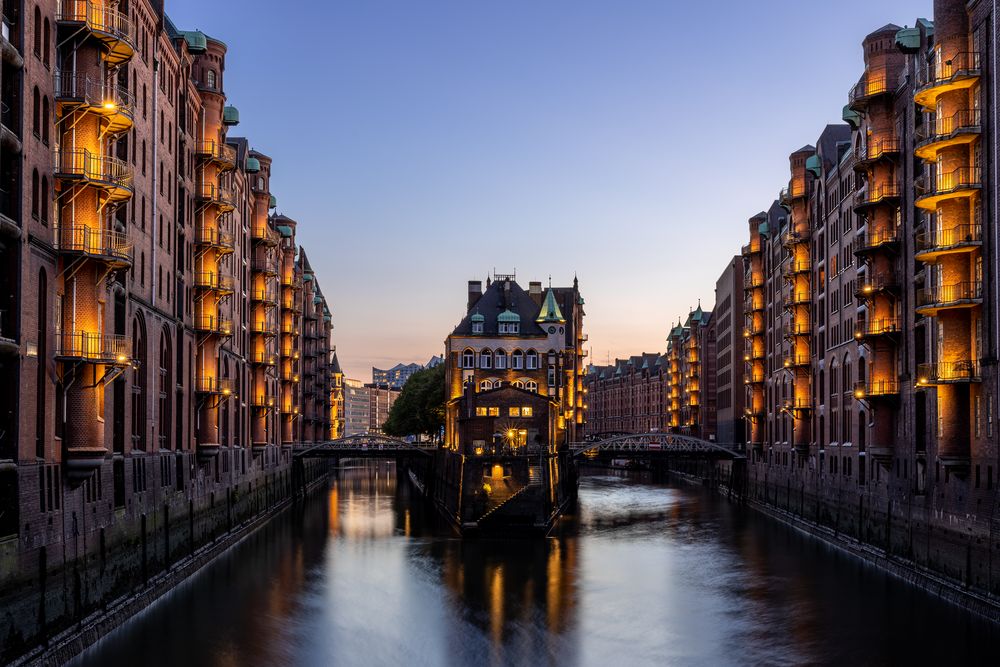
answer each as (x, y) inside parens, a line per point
(931, 300)
(103, 245)
(110, 26)
(957, 239)
(962, 127)
(877, 328)
(109, 174)
(876, 240)
(874, 82)
(94, 348)
(957, 72)
(948, 372)
(961, 182)
(115, 104)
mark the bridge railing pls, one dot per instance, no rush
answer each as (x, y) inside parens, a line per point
(367, 444)
(639, 444)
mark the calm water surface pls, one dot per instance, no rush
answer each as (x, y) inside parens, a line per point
(646, 574)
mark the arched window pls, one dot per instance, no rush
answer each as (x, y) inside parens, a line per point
(532, 360)
(45, 120)
(44, 203)
(47, 45)
(139, 384)
(518, 384)
(517, 360)
(210, 79)
(485, 385)
(486, 359)
(501, 359)
(36, 112)
(531, 385)
(468, 359)
(34, 194)
(38, 32)
(165, 390)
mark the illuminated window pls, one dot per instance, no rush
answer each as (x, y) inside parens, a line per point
(481, 412)
(514, 412)
(527, 411)
(210, 79)
(494, 412)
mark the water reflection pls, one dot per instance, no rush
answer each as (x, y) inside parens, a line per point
(647, 573)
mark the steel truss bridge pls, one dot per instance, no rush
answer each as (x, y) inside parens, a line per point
(652, 446)
(365, 446)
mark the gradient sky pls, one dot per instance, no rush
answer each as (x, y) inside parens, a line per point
(423, 143)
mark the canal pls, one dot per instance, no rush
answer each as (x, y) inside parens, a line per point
(646, 573)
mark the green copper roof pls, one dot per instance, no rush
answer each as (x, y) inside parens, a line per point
(326, 318)
(317, 299)
(285, 230)
(477, 317)
(550, 310)
(764, 229)
(307, 276)
(273, 203)
(814, 164)
(196, 40)
(230, 116)
(908, 39)
(851, 117)
(253, 165)
(508, 316)
(677, 331)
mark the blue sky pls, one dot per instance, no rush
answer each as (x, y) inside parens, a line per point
(420, 144)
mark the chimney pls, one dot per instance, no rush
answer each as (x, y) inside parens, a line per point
(475, 291)
(535, 292)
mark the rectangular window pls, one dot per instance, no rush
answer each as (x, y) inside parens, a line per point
(494, 412)
(527, 411)
(480, 412)
(514, 412)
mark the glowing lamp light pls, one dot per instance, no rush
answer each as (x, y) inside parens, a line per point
(226, 391)
(110, 105)
(868, 289)
(121, 358)
(859, 393)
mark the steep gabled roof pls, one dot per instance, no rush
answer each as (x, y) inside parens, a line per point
(498, 297)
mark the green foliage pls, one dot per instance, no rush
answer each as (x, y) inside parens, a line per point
(419, 410)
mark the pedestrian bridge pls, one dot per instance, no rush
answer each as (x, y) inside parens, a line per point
(652, 446)
(365, 445)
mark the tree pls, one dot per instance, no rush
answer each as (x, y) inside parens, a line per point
(419, 410)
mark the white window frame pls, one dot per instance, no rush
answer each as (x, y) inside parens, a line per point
(500, 359)
(486, 359)
(531, 360)
(517, 360)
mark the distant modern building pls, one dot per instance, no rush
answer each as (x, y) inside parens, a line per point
(355, 407)
(397, 376)
(727, 322)
(380, 400)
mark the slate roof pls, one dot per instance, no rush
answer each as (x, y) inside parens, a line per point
(500, 296)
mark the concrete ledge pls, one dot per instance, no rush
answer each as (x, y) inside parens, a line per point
(68, 644)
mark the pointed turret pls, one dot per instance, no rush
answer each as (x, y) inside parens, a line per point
(550, 310)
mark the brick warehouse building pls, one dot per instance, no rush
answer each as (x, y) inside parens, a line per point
(871, 307)
(514, 373)
(163, 340)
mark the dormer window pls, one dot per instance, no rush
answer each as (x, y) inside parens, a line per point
(508, 323)
(477, 327)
